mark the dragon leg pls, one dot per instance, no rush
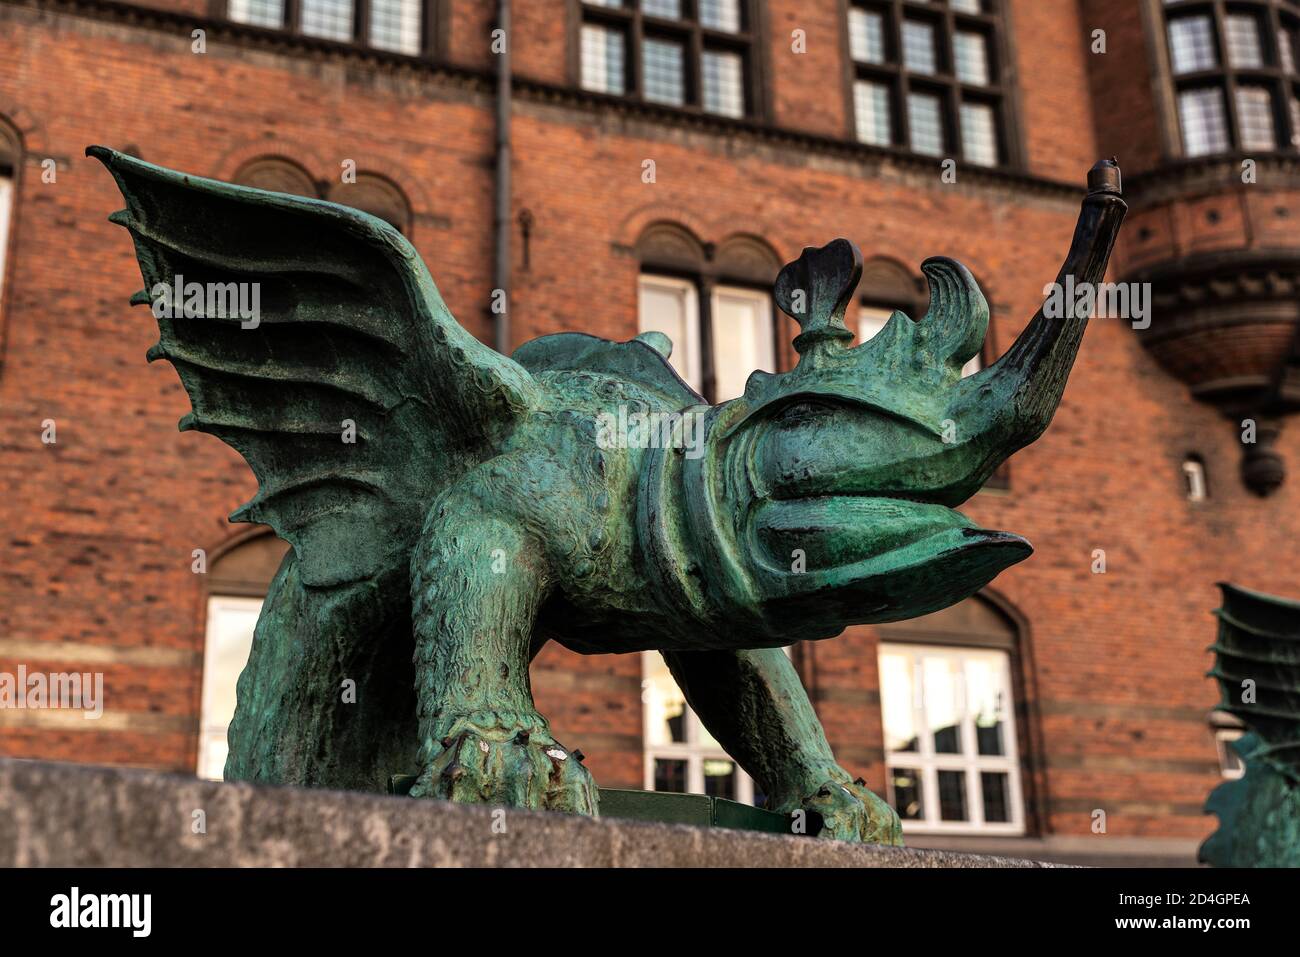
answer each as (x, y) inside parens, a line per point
(478, 580)
(326, 698)
(753, 702)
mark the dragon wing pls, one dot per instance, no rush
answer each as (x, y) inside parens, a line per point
(349, 329)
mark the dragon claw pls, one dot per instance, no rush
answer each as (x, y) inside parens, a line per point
(505, 766)
(852, 812)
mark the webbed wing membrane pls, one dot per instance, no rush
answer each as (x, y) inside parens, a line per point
(350, 339)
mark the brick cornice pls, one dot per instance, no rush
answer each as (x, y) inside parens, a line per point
(1184, 179)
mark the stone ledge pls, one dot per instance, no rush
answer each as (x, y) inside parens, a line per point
(68, 815)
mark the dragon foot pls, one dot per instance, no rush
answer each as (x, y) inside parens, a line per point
(852, 812)
(495, 762)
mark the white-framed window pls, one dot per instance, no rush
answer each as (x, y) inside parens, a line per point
(680, 754)
(231, 621)
(742, 338)
(871, 319)
(951, 763)
(670, 305)
(740, 326)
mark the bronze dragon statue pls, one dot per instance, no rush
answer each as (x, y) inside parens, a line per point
(477, 513)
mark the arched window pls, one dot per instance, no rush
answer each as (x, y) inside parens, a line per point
(714, 303)
(237, 583)
(947, 703)
(1234, 73)
(10, 159)
(277, 175)
(378, 197)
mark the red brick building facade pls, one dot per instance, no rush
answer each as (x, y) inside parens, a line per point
(687, 150)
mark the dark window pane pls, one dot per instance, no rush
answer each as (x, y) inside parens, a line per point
(670, 775)
(662, 74)
(952, 796)
(997, 800)
(988, 737)
(906, 786)
(947, 740)
(720, 779)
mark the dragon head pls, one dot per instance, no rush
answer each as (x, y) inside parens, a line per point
(826, 495)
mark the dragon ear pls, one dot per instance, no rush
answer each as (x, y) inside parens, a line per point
(953, 328)
(815, 291)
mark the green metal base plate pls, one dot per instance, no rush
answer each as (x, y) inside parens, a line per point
(697, 810)
(663, 807)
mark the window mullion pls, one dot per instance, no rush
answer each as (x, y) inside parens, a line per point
(927, 770)
(293, 16)
(634, 39)
(708, 368)
(1283, 118)
(1228, 84)
(903, 88)
(361, 21)
(695, 773)
(694, 66)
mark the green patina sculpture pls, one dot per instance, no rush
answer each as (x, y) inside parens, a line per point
(486, 505)
(1257, 666)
